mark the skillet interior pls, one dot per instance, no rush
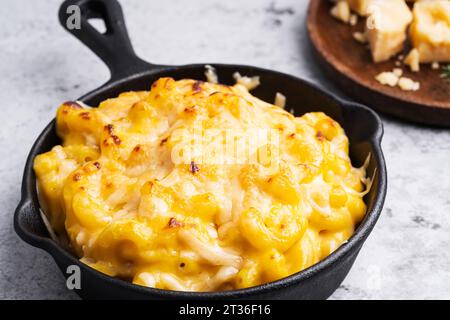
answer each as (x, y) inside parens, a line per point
(362, 126)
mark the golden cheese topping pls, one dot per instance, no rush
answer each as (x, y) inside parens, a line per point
(197, 186)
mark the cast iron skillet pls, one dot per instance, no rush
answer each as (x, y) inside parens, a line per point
(128, 72)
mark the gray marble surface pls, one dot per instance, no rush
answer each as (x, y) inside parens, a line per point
(407, 255)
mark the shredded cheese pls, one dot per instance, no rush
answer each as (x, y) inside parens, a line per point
(280, 100)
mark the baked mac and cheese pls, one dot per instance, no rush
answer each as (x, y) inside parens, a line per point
(145, 192)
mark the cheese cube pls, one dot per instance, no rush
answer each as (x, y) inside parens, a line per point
(360, 6)
(430, 30)
(341, 11)
(386, 28)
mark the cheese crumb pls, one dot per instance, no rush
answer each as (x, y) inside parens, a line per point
(435, 65)
(360, 37)
(387, 78)
(341, 11)
(408, 84)
(210, 74)
(353, 20)
(412, 60)
(394, 78)
(398, 72)
(280, 100)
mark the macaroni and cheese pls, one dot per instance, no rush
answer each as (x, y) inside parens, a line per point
(197, 186)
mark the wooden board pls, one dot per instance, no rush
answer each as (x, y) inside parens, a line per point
(349, 65)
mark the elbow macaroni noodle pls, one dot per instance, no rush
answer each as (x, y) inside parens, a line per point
(198, 186)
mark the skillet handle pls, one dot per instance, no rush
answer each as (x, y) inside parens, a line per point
(30, 229)
(113, 46)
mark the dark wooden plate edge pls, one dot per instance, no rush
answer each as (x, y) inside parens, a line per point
(417, 113)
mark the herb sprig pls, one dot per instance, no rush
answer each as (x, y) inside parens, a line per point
(446, 73)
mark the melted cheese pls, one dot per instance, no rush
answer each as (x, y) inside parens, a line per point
(138, 187)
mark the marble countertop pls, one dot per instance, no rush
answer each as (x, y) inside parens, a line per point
(406, 256)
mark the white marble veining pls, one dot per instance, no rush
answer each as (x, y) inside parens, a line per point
(406, 256)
